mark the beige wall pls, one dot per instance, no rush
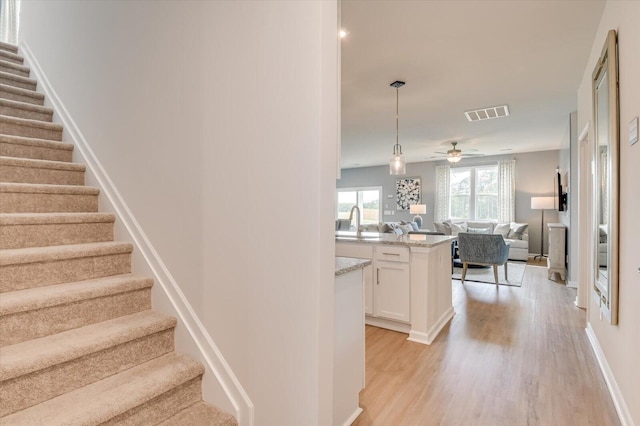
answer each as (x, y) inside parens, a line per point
(217, 123)
(621, 343)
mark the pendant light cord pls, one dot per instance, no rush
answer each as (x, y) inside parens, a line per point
(397, 149)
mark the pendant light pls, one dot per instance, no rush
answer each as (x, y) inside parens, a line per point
(397, 164)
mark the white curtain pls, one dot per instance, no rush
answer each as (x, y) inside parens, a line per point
(9, 12)
(442, 208)
(506, 191)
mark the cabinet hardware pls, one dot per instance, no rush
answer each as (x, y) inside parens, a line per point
(392, 254)
(377, 276)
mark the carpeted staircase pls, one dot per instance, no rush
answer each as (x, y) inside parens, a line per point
(79, 343)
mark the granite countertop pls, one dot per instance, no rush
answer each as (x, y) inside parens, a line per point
(348, 264)
(411, 240)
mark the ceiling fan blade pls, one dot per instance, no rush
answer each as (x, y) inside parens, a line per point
(438, 152)
(470, 150)
(472, 155)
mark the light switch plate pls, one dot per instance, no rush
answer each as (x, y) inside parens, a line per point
(633, 131)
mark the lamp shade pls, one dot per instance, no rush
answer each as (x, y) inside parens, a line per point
(418, 209)
(542, 203)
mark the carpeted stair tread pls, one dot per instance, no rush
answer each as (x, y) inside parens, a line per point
(41, 143)
(200, 414)
(58, 294)
(11, 57)
(41, 188)
(38, 354)
(103, 400)
(14, 68)
(25, 122)
(8, 47)
(41, 164)
(11, 92)
(6, 105)
(9, 219)
(55, 253)
(18, 81)
(28, 170)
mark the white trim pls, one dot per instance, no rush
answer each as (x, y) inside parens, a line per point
(352, 418)
(612, 385)
(400, 327)
(572, 284)
(428, 337)
(215, 362)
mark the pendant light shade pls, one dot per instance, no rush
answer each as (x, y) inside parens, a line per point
(397, 163)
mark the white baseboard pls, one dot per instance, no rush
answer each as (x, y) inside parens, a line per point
(210, 354)
(352, 418)
(572, 284)
(612, 385)
(388, 324)
(428, 337)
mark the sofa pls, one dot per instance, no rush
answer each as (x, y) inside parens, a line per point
(516, 234)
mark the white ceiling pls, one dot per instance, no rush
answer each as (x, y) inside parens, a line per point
(457, 56)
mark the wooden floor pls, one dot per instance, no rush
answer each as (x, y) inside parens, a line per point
(510, 356)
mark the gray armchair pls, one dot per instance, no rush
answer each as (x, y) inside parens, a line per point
(483, 249)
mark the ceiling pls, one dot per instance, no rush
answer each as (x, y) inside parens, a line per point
(457, 56)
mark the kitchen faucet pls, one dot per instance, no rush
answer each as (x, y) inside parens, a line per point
(358, 231)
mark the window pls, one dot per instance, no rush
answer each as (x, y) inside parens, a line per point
(474, 193)
(367, 199)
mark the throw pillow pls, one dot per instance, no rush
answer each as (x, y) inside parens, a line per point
(502, 229)
(456, 228)
(415, 226)
(479, 230)
(388, 227)
(405, 228)
(442, 227)
(516, 230)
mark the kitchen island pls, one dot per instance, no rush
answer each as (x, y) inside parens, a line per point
(408, 289)
(348, 328)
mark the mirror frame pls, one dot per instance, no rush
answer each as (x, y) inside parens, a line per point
(607, 293)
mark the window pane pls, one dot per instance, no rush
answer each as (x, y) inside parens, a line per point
(460, 207)
(461, 182)
(486, 207)
(370, 206)
(346, 200)
(487, 181)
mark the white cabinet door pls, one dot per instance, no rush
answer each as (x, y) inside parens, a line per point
(392, 291)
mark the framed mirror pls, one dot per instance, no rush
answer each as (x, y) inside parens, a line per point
(607, 145)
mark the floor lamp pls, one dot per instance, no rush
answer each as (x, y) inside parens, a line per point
(542, 203)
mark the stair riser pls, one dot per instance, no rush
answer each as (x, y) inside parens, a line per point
(25, 113)
(21, 84)
(15, 174)
(28, 390)
(30, 131)
(161, 407)
(28, 325)
(14, 71)
(8, 47)
(10, 57)
(35, 152)
(56, 234)
(18, 202)
(21, 276)
(4, 94)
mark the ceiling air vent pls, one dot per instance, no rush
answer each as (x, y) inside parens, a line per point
(487, 113)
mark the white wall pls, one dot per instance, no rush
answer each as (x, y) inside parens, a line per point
(621, 343)
(216, 122)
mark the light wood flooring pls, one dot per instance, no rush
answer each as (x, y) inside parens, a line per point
(510, 356)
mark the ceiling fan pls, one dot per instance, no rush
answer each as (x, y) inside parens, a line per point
(454, 155)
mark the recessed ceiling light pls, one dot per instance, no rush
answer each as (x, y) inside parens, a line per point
(343, 33)
(487, 113)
